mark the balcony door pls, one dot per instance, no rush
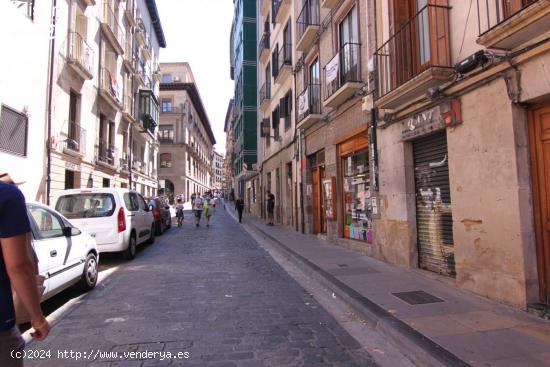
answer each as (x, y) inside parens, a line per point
(348, 34)
(314, 87)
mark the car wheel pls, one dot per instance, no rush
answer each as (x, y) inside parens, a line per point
(152, 238)
(130, 252)
(90, 272)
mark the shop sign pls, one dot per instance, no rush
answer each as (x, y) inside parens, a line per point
(72, 166)
(423, 123)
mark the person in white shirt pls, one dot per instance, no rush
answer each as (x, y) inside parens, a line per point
(198, 204)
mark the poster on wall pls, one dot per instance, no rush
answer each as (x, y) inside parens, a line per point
(330, 198)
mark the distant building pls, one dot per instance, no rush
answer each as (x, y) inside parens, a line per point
(228, 161)
(217, 171)
(185, 134)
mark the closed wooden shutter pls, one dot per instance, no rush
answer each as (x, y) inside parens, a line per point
(439, 34)
(433, 205)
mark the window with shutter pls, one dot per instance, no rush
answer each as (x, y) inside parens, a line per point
(13, 131)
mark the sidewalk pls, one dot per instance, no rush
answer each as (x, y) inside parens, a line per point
(440, 325)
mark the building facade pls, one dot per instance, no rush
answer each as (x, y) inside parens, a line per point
(461, 141)
(23, 113)
(105, 91)
(185, 135)
(228, 161)
(243, 46)
(217, 171)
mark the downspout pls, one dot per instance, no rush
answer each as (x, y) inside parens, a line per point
(50, 88)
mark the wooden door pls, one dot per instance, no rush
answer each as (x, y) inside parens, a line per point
(316, 198)
(323, 213)
(540, 162)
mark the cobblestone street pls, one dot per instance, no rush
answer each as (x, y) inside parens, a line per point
(211, 292)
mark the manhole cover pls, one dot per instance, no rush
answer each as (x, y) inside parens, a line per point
(417, 297)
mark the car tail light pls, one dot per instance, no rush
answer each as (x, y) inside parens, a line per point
(156, 212)
(121, 221)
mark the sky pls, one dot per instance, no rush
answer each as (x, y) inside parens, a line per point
(197, 31)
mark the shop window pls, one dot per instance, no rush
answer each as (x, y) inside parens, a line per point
(357, 196)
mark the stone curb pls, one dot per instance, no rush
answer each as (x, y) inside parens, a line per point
(422, 350)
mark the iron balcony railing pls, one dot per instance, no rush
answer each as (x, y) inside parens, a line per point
(421, 43)
(124, 161)
(264, 43)
(345, 67)
(109, 18)
(106, 153)
(284, 58)
(309, 16)
(75, 137)
(309, 101)
(81, 53)
(110, 85)
(265, 92)
(493, 12)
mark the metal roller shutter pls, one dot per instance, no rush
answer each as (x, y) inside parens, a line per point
(434, 218)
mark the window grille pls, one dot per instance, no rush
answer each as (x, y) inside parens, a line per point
(13, 131)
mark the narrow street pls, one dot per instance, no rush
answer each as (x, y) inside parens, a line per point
(210, 292)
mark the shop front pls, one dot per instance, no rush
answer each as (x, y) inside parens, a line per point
(356, 188)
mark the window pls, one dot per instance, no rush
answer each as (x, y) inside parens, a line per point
(166, 133)
(275, 120)
(13, 131)
(26, 6)
(286, 109)
(167, 78)
(46, 222)
(86, 205)
(131, 202)
(166, 105)
(166, 160)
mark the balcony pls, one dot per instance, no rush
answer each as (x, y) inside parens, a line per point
(148, 111)
(265, 96)
(130, 13)
(89, 2)
(140, 32)
(129, 56)
(343, 75)
(415, 58)
(128, 109)
(309, 106)
(112, 30)
(280, 10)
(263, 48)
(106, 154)
(509, 24)
(264, 7)
(75, 141)
(283, 64)
(329, 4)
(124, 162)
(146, 49)
(109, 89)
(81, 56)
(307, 25)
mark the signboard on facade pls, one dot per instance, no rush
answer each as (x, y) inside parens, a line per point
(303, 104)
(422, 124)
(332, 67)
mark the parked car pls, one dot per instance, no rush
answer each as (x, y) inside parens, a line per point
(66, 255)
(161, 214)
(118, 219)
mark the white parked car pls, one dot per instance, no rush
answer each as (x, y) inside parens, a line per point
(118, 219)
(66, 255)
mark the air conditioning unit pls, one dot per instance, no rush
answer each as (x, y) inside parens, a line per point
(176, 79)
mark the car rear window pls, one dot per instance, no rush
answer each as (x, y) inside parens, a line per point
(86, 205)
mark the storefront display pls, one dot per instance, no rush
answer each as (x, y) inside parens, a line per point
(357, 196)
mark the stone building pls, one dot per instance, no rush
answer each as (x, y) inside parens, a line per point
(229, 181)
(23, 93)
(463, 99)
(185, 134)
(217, 171)
(105, 93)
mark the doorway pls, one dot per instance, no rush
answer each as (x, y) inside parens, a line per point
(539, 135)
(319, 218)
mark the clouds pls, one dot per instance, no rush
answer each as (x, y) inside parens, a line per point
(198, 32)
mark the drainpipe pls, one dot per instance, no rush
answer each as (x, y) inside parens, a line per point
(49, 115)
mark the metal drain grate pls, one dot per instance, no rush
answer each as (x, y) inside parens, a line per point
(417, 297)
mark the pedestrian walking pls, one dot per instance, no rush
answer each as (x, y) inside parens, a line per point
(270, 208)
(208, 210)
(17, 270)
(239, 207)
(179, 212)
(198, 204)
